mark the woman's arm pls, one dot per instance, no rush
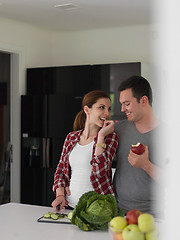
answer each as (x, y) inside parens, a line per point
(62, 170)
(107, 128)
(60, 199)
(101, 176)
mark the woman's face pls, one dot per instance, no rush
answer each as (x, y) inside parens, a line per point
(100, 111)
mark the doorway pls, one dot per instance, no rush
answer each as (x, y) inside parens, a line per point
(17, 88)
(4, 127)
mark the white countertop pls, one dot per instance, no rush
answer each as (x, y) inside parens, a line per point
(19, 221)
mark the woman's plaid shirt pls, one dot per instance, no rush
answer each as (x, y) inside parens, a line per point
(101, 174)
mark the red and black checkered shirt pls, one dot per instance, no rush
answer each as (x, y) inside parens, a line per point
(101, 174)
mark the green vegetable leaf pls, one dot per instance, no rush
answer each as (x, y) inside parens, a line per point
(83, 226)
(94, 211)
(121, 212)
(81, 204)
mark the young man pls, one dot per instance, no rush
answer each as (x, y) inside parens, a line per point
(137, 177)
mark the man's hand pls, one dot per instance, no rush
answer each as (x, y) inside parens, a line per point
(139, 161)
(142, 161)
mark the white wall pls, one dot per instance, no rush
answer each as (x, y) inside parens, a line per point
(127, 44)
(36, 42)
(46, 48)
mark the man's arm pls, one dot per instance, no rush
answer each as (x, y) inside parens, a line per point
(142, 161)
(153, 171)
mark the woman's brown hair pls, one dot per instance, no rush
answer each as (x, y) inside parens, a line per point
(89, 99)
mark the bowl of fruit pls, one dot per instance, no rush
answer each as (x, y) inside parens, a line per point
(134, 226)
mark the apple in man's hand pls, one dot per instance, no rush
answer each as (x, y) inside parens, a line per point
(132, 216)
(138, 148)
(132, 232)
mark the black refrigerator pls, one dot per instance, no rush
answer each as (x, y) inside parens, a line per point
(45, 122)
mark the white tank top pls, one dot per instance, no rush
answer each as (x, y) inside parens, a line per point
(79, 161)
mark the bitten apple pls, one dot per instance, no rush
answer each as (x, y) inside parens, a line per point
(138, 148)
(132, 216)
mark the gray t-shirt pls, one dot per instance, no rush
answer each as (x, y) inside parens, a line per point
(135, 189)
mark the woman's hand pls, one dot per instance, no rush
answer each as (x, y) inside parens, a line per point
(59, 200)
(107, 128)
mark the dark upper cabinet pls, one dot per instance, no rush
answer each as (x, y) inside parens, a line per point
(40, 81)
(62, 110)
(75, 80)
(101, 75)
(48, 115)
(33, 115)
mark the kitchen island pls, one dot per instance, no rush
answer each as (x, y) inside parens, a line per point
(19, 221)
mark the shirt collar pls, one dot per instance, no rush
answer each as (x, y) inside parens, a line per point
(77, 135)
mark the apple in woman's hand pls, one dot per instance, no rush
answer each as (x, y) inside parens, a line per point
(138, 148)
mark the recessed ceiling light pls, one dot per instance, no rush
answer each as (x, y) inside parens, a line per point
(66, 6)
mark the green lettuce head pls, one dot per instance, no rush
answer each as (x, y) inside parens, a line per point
(94, 211)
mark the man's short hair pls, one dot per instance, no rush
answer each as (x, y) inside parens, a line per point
(140, 87)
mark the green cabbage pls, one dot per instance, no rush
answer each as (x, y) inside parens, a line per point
(94, 211)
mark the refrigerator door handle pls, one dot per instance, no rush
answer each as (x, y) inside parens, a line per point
(44, 153)
(48, 153)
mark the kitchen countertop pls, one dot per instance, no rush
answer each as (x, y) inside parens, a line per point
(19, 221)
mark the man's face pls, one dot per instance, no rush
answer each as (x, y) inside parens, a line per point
(130, 105)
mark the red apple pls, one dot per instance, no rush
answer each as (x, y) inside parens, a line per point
(139, 148)
(132, 216)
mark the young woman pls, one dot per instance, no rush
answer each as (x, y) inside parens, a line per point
(87, 154)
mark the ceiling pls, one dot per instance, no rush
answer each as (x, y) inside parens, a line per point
(88, 14)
